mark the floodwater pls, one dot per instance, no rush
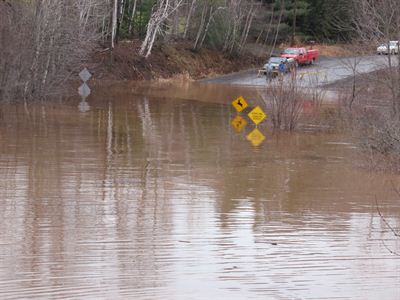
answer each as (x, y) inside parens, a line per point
(152, 194)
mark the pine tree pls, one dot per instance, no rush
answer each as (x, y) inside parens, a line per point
(328, 19)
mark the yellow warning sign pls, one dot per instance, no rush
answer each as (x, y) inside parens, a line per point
(238, 123)
(255, 137)
(257, 115)
(239, 104)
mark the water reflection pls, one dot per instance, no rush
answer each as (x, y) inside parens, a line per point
(83, 106)
(148, 197)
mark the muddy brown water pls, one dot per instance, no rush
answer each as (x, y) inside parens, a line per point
(151, 194)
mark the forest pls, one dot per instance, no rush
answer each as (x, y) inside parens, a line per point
(44, 42)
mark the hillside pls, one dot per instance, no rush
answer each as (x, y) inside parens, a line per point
(166, 61)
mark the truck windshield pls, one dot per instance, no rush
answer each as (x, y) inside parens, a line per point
(275, 60)
(291, 51)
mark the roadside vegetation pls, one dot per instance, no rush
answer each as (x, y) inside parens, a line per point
(370, 103)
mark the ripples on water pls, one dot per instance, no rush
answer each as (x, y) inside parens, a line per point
(146, 197)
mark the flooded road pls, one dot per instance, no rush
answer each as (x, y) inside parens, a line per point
(328, 70)
(152, 194)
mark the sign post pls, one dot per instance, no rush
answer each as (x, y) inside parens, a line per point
(257, 115)
(238, 123)
(239, 104)
(255, 137)
(84, 90)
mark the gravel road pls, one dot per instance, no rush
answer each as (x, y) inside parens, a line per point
(326, 71)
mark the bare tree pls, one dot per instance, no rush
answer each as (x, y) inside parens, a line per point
(278, 26)
(292, 38)
(266, 28)
(376, 22)
(394, 232)
(205, 24)
(247, 25)
(46, 41)
(161, 11)
(114, 22)
(189, 18)
(234, 20)
(132, 16)
(352, 64)
(285, 103)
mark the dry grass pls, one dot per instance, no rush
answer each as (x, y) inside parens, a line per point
(183, 77)
(175, 61)
(336, 50)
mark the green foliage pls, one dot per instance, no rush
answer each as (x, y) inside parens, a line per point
(216, 35)
(324, 20)
(139, 20)
(328, 20)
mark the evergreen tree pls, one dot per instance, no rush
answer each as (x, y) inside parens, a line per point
(328, 20)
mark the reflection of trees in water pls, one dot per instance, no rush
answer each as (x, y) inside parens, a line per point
(33, 192)
(291, 177)
(110, 191)
(76, 182)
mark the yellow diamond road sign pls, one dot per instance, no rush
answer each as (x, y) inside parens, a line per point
(255, 137)
(239, 104)
(257, 115)
(238, 123)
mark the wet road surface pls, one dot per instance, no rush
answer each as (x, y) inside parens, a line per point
(328, 70)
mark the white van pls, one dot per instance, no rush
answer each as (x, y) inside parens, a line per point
(393, 47)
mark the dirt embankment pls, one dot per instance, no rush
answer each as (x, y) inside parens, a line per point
(167, 61)
(178, 60)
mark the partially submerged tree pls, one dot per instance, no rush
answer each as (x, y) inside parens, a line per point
(44, 41)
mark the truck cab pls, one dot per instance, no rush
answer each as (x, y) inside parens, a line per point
(301, 55)
(272, 66)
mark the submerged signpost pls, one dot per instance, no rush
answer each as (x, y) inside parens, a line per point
(257, 115)
(239, 104)
(239, 123)
(84, 90)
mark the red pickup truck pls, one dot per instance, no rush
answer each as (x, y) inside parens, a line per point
(301, 55)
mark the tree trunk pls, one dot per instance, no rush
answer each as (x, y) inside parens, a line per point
(133, 11)
(114, 17)
(203, 19)
(206, 28)
(292, 39)
(187, 25)
(246, 29)
(277, 27)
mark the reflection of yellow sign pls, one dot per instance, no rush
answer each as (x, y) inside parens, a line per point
(239, 104)
(257, 115)
(238, 123)
(255, 137)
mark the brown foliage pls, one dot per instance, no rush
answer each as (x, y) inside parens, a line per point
(166, 61)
